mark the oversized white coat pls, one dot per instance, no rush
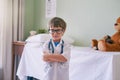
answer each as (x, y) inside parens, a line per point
(57, 70)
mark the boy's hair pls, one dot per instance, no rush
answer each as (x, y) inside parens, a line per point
(57, 22)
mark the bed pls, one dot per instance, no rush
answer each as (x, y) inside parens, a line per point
(85, 63)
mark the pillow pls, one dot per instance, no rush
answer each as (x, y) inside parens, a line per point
(39, 38)
(35, 45)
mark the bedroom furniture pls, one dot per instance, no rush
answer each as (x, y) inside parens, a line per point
(17, 52)
(89, 64)
(85, 63)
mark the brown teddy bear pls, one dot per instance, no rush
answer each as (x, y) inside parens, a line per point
(109, 43)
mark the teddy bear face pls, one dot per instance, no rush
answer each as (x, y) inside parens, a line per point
(117, 24)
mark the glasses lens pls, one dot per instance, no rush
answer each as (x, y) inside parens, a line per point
(55, 30)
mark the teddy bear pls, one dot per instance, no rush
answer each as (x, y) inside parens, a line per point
(109, 43)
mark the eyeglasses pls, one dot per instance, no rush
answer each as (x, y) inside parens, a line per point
(51, 31)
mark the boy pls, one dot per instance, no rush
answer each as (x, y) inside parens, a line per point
(56, 52)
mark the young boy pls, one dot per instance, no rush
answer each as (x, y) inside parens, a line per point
(56, 52)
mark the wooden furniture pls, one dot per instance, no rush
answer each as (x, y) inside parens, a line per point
(17, 48)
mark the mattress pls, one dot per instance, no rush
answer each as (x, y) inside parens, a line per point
(85, 64)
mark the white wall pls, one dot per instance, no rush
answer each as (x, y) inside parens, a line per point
(89, 19)
(86, 19)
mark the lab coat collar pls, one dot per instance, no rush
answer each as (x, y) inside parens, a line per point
(59, 43)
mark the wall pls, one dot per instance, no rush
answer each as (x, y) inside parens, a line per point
(29, 17)
(40, 20)
(86, 19)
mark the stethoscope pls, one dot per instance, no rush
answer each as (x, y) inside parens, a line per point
(51, 48)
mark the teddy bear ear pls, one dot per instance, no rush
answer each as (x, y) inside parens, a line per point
(118, 20)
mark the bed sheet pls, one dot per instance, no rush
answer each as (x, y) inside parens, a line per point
(89, 64)
(85, 64)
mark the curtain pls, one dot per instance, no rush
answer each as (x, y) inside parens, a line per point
(1, 44)
(11, 29)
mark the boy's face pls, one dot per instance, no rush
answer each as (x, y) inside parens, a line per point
(56, 33)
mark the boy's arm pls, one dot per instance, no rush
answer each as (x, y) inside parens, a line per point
(54, 58)
(65, 56)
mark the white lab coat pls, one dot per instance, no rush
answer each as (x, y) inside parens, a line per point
(57, 70)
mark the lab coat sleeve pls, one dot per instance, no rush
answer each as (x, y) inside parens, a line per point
(67, 51)
(45, 47)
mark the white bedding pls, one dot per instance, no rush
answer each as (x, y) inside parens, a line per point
(85, 64)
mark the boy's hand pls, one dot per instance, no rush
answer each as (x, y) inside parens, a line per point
(45, 52)
(45, 56)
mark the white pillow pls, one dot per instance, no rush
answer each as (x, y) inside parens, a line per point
(39, 38)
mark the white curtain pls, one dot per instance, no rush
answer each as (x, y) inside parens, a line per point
(11, 29)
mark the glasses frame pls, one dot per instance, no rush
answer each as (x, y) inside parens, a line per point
(58, 31)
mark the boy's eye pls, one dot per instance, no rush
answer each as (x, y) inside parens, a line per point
(55, 30)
